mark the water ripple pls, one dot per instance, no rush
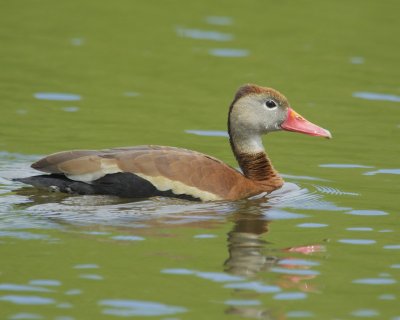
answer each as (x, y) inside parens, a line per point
(203, 34)
(392, 247)
(376, 96)
(45, 282)
(360, 229)
(26, 316)
(331, 190)
(382, 171)
(23, 235)
(70, 109)
(365, 313)
(129, 308)
(357, 241)
(205, 236)
(18, 287)
(213, 276)
(343, 165)
(290, 296)
(367, 212)
(55, 96)
(312, 225)
(27, 300)
(218, 276)
(357, 60)
(375, 281)
(387, 297)
(298, 262)
(229, 52)
(86, 266)
(243, 302)
(128, 238)
(91, 276)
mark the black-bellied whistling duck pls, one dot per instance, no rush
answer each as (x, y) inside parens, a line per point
(147, 171)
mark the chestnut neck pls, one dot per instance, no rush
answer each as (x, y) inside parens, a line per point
(252, 158)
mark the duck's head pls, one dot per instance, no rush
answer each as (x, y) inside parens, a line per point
(258, 110)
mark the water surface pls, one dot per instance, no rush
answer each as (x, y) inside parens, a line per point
(97, 74)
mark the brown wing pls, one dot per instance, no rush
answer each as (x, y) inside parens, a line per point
(180, 170)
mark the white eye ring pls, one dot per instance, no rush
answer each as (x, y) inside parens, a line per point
(270, 104)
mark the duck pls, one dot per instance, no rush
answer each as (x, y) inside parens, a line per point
(147, 171)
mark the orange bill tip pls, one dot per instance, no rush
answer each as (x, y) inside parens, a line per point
(296, 123)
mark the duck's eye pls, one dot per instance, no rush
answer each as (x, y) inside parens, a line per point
(270, 104)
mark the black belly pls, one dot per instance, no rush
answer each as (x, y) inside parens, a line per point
(122, 184)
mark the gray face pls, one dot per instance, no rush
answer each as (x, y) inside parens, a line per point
(258, 113)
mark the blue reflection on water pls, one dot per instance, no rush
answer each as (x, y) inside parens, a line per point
(367, 212)
(382, 171)
(55, 96)
(360, 229)
(343, 165)
(203, 34)
(91, 276)
(377, 96)
(294, 177)
(45, 282)
(387, 297)
(375, 281)
(276, 214)
(229, 53)
(77, 41)
(26, 316)
(365, 313)
(26, 300)
(18, 287)
(23, 235)
(178, 271)
(312, 225)
(213, 276)
(86, 266)
(128, 238)
(357, 60)
(218, 276)
(392, 247)
(205, 236)
(290, 296)
(357, 241)
(298, 262)
(70, 109)
(299, 314)
(73, 292)
(243, 302)
(128, 308)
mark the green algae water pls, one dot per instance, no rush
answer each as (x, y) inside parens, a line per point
(100, 74)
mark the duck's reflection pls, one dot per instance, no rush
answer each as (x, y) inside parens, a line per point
(252, 256)
(246, 247)
(249, 253)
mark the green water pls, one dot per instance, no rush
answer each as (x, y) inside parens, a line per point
(97, 74)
